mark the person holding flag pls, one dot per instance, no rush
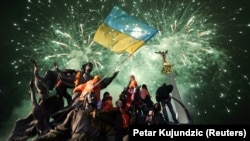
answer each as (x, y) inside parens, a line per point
(91, 86)
(119, 32)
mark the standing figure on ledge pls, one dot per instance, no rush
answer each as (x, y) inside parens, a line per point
(163, 97)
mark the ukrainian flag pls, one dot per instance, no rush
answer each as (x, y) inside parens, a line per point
(121, 32)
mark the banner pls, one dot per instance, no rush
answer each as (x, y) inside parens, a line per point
(121, 32)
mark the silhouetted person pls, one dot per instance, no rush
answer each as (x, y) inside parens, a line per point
(163, 97)
(154, 116)
(70, 78)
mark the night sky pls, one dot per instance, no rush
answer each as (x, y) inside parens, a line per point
(208, 43)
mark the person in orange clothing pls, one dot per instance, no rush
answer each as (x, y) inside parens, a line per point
(132, 88)
(132, 84)
(144, 92)
(92, 85)
(107, 103)
(122, 120)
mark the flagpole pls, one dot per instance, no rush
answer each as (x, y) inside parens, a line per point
(117, 33)
(114, 69)
(90, 45)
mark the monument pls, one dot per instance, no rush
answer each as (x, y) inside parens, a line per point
(182, 113)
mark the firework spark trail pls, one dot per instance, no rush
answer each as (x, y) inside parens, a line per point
(187, 31)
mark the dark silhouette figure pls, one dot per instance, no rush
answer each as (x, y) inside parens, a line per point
(154, 116)
(48, 108)
(82, 123)
(37, 122)
(163, 97)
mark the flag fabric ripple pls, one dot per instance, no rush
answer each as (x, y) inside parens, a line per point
(121, 32)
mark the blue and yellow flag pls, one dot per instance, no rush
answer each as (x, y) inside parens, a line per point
(121, 32)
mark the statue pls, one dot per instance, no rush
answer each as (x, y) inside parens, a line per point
(167, 68)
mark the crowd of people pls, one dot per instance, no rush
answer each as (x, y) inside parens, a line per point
(90, 116)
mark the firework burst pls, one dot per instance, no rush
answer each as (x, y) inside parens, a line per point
(193, 32)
